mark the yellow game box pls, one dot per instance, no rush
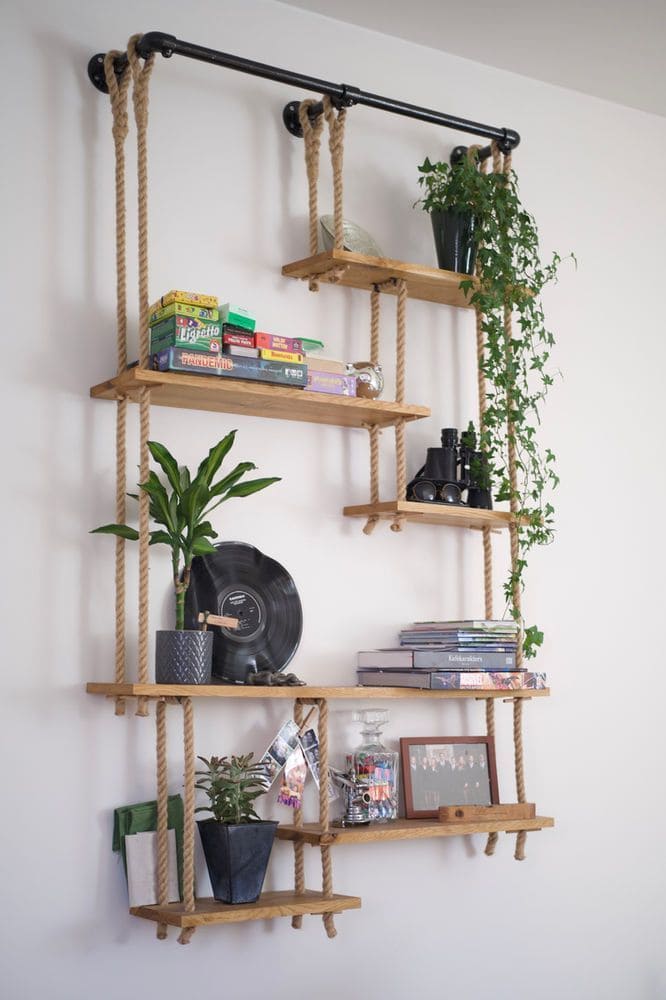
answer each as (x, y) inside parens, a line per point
(189, 298)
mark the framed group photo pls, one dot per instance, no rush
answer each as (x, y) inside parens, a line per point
(447, 771)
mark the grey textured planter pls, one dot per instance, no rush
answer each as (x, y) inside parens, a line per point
(183, 657)
(237, 857)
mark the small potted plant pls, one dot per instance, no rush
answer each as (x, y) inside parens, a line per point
(237, 843)
(181, 509)
(452, 197)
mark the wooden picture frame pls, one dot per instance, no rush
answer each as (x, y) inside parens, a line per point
(447, 771)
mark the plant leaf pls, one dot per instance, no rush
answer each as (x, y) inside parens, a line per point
(251, 486)
(165, 459)
(120, 530)
(215, 457)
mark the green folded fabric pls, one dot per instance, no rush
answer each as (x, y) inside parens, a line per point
(141, 818)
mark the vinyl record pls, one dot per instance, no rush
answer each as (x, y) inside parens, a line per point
(241, 582)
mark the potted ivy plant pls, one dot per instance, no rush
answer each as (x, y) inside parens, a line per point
(510, 277)
(181, 508)
(451, 198)
(236, 842)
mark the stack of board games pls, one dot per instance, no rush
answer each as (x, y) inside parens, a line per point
(450, 655)
(328, 375)
(198, 337)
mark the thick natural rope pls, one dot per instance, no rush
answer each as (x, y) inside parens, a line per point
(326, 862)
(519, 853)
(373, 428)
(118, 90)
(188, 816)
(491, 843)
(311, 144)
(299, 862)
(162, 813)
(487, 542)
(141, 77)
(521, 837)
(335, 118)
(144, 542)
(400, 453)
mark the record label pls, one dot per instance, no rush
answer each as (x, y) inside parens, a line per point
(246, 607)
(240, 581)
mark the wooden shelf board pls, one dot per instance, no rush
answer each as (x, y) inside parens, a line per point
(112, 690)
(268, 906)
(405, 829)
(432, 513)
(227, 395)
(429, 283)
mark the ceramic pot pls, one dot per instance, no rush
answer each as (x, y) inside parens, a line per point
(237, 857)
(454, 240)
(183, 657)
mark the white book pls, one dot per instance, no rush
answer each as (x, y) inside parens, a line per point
(141, 853)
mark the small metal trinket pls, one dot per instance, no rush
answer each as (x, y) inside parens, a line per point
(357, 798)
(369, 379)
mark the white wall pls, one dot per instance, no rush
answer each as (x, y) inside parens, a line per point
(583, 916)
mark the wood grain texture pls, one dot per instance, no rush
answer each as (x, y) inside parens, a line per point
(228, 395)
(406, 829)
(473, 814)
(268, 906)
(430, 284)
(433, 513)
(111, 690)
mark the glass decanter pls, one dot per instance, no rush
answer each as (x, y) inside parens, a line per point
(376, 766)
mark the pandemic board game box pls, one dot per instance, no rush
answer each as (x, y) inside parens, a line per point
(176, 359)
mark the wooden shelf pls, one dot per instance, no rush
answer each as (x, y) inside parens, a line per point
(433, 513)
(229, 395)
(428, 283)
(405, 829)
(330, 693)
(268, 906)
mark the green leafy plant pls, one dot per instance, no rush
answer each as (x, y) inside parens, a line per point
(232, 784)
(182, 506)
(458, 188)
(510, 278)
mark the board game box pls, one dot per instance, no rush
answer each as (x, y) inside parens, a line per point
(186, 331)
(177, 359)
(183, 309)
(190, 298)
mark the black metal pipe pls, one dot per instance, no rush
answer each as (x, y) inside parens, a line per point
(340, 94)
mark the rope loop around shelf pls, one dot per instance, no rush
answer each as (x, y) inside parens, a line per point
(335, 119)
(299, 860)
(400, 451)
(118, 95)
(141, 72)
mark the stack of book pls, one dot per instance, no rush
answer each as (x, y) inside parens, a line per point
(189, 333)
(464, 655)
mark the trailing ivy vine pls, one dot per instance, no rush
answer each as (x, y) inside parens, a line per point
(510, 276)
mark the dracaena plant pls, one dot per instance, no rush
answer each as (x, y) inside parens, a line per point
(510, 276)
(232, 785)
(181, 508)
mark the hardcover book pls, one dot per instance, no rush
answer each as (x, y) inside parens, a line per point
(434, 658)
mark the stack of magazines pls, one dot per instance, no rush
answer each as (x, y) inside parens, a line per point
(466, 655)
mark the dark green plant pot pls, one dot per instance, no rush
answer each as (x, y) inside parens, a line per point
(237, 857)
(183, 657)
(454, 240)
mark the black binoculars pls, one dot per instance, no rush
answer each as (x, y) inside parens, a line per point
(455, 474)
